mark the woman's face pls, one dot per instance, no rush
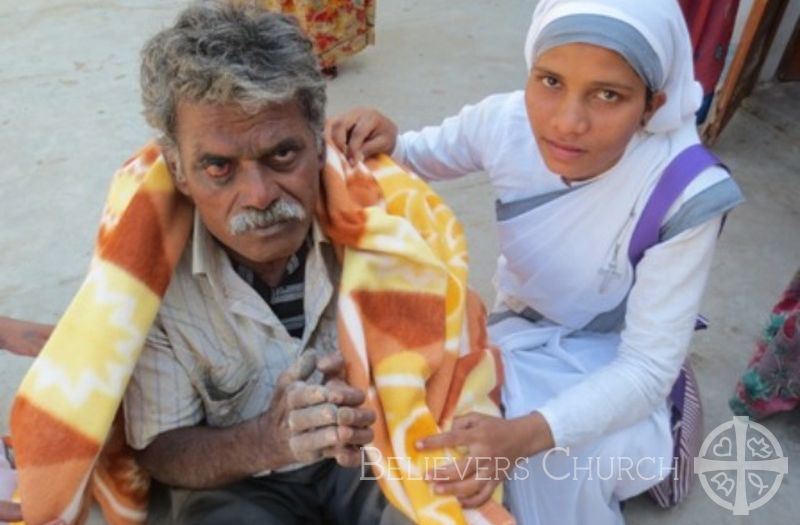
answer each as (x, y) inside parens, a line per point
(584, 104)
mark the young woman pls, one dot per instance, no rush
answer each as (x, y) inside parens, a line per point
(591, 343)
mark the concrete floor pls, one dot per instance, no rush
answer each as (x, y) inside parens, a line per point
(69, 115)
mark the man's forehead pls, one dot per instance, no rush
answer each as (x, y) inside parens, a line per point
(204, 124)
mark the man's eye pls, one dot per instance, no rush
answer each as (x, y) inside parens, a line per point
(285, 155)
(217, 168)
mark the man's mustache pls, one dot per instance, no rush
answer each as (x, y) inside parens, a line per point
(282, 210)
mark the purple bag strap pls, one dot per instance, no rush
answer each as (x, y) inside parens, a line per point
(676, 177)
(683, 169)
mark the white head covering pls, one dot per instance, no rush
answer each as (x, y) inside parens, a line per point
(661, 23)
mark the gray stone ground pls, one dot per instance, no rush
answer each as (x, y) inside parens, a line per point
(69, 115)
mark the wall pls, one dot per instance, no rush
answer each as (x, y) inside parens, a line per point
(790, 18)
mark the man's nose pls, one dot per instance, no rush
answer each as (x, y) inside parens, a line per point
(259, 189)
(572, 117)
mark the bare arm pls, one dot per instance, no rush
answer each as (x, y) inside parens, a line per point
(203, 457)
(23, 337)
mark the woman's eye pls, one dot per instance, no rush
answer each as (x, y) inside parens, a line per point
(608, 95)
(549, 81)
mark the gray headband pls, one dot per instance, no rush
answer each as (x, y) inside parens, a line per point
(607, 32)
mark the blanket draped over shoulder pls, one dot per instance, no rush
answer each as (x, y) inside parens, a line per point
(411, 331)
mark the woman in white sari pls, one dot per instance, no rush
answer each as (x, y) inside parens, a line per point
(592, 343)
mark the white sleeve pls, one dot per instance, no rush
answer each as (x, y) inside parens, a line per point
(659, 323)
(455, 147)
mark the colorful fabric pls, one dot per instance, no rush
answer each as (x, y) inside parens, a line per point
(338, 28)
(771, 382)
(711, 25)
(74, 387)
(411, 333)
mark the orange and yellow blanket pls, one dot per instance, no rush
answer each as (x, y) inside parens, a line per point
(411, 332)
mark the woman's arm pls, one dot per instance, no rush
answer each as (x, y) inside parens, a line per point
(659, 323)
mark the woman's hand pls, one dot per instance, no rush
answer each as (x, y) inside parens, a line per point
(361, 133)
(493, 445)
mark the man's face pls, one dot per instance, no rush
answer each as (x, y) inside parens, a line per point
(254, 178)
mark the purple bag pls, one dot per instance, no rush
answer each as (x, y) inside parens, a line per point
(687, 412)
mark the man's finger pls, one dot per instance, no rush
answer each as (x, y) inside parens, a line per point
(318, 416)
(301, 395)
(314, 440)
(300, 370)
(355, 436)
(349, 457)
(346, 456)
(343, 394)
(331, 365)
(356, 417)
(451, 439)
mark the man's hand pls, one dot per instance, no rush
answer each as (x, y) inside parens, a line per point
(361, 133)
(325, 420)
(274, 430)
(304, 422)
(492, 445)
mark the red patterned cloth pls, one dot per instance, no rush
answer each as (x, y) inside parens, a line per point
(710, 24)
(338, 28)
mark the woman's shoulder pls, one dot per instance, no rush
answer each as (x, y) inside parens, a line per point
(711, 194)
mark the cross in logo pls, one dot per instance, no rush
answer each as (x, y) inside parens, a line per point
(768, 458)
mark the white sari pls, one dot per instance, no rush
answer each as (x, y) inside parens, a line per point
(598, 218)
(545, 358)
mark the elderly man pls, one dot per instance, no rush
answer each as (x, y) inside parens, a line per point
(236, 406)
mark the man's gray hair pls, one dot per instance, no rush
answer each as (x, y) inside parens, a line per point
(230, 53)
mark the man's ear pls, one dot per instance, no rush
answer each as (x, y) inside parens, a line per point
(172, 159)
(658, 99)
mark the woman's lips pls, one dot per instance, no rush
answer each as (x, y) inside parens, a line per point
(563, 151)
